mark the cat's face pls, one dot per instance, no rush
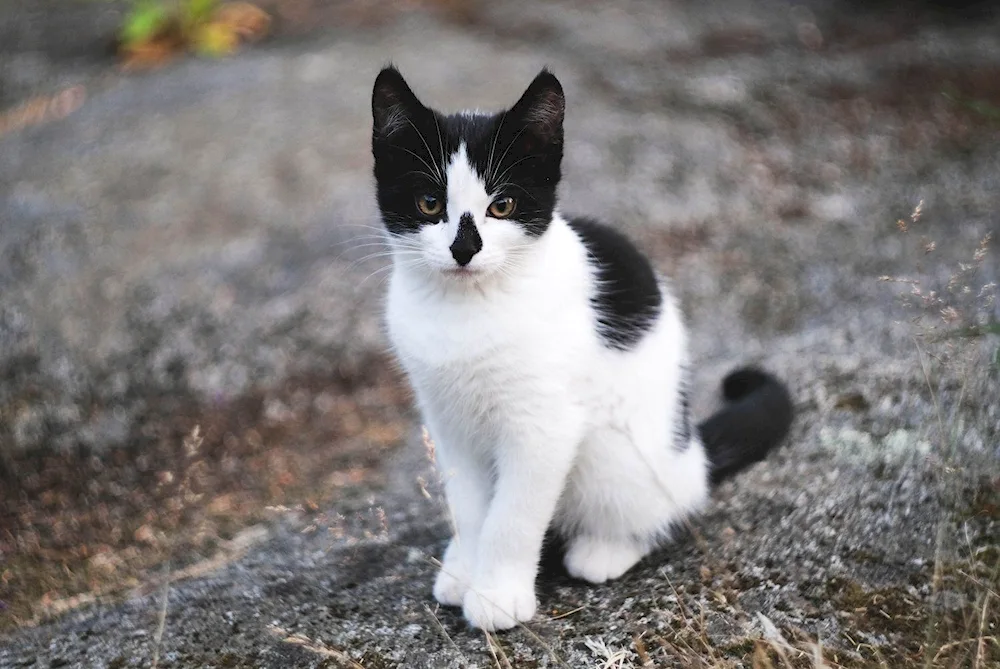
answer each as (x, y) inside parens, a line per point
(463, 196)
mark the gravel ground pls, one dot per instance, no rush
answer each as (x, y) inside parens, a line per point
(192, 239)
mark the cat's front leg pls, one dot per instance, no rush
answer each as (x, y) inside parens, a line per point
(467, 489)
(531, 470)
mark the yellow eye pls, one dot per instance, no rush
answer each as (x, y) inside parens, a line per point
(429, 205)
(502, 207)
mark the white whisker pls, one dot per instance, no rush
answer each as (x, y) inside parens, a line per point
(430, 154)
(509, 147)
(490, 169)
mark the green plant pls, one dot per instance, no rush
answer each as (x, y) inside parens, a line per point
(155, 30)
(980, 107)
(144, 21)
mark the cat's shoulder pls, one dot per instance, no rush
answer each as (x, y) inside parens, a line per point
(627, 296)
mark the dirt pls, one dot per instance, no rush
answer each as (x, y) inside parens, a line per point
(191, 478)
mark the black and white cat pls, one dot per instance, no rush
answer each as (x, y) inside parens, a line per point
(548, 359)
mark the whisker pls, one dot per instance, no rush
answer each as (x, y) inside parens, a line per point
(490, 169)
(516, 163)
(430, 154)
(435, 179)
(363, 226)
(382, 244)
(510, 146)
(421, 173)
(508, 184)
(365, 260)
(440, 140)
(406, 262)
(375, 273)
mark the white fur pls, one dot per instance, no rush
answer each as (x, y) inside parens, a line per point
(536, 421)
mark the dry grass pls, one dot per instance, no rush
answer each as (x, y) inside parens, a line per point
(688, 644)
(956, 624)
(879, 627)
(75, 528)
(950, 323)
(42, 109)
(315, 647)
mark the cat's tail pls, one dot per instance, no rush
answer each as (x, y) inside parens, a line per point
(755, 419)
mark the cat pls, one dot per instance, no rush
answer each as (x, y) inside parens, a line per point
(548, 359)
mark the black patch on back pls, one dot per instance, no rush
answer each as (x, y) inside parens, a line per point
(627, 298)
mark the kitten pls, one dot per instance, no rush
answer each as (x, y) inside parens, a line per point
(548, 359)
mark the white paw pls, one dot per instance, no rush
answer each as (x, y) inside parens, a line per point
(453, 578)
(451, 584)
(599, 560)
(500, 607)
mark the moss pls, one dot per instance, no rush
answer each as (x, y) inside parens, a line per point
(914, 628)
(881, 610)
(224, 661)
(983, 501)
(741, 649)
(863, 556)
(372, 659)
(523, 661)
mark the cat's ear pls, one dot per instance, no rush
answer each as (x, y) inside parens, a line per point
(393, 103)
(542, 107)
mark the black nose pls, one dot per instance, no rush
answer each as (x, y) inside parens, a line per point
(467, 242)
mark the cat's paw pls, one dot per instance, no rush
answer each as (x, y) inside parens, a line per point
(599, 560)
(451, 584)
(499, 607)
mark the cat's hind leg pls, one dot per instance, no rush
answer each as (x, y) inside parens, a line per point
(599, 559)
(622, 498)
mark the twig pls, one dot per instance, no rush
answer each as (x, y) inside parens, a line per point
(568, 613)
(979, 640)
(534, 637)
(319, 648)
(930, 387)
(979, 582)
(161, 623)
(495, 646)
(981, 645)
(640, 650)
(445, 633)
(493, 652)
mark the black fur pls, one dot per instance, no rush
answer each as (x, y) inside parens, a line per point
(755, 419)
(628, 298)
(682, 424)
(518, 152)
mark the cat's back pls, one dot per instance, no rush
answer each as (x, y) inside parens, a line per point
(627, 297)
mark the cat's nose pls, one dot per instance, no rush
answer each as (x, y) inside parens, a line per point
(467, 242)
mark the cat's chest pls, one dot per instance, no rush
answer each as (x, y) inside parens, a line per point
(441, 334)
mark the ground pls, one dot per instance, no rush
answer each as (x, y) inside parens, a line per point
(206, 458)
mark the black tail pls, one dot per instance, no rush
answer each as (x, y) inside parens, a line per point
(755, 419)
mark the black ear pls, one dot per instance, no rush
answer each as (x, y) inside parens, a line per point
(393, 103)
(542, 108)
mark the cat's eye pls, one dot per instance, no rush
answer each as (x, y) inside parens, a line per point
(429, 205)
(502, 207)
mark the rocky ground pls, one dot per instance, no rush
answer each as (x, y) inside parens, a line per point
(188, 250)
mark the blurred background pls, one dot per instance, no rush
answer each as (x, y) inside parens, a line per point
(190, 284)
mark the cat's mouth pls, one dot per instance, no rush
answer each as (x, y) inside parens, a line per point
(463, 271)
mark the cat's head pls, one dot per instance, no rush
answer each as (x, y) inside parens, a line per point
(466, 195)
